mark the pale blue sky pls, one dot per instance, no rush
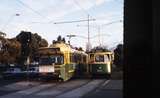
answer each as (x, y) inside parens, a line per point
(36, 16)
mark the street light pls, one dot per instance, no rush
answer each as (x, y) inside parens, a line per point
(86, 38)
(70, 36)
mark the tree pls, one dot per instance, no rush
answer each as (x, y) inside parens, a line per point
(36, 42)
(18, 49)
(25, 39)
(64, 40)
(80, 49)
(10, 51)
(53, 42)
(99, 48)
(59, 38)
(118, 56)
(43, 43)
(2, 34)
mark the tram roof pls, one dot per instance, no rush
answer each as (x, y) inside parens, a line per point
(65, 47)
(99, 52)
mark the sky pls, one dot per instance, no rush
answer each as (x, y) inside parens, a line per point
(40, 16)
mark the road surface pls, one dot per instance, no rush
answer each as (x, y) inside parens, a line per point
(74, 88)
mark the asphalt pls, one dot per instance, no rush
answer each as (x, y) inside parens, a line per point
(111, 89)
(114, 89)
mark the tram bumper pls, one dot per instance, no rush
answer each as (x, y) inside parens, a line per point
(49, 75)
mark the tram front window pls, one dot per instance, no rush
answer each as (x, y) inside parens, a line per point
(45, 61)
(102, 58)
(99, 58)
(57, 60)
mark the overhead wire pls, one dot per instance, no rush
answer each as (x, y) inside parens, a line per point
(27, 6)
(36, 12)
(75, 1)
(92, 16)
(8, 21)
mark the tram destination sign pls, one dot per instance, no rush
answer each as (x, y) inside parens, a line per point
(48, 50)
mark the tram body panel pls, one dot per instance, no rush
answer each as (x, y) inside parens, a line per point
(100, 63)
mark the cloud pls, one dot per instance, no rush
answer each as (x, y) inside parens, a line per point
(99, 2)
(60, 10)
(54, 9)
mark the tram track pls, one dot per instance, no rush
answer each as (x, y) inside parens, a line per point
(65, 87)
(45, 87)
(59, 89)
(80, 91)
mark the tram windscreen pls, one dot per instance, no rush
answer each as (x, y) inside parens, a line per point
(57, 60)
(101, 58)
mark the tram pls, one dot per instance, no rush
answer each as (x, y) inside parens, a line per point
(61, 61)
(100, 63)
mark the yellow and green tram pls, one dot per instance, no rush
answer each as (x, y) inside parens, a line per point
(100, 63)
(61, 61)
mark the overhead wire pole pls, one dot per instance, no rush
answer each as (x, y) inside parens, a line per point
(88, 36)
(99, 27)
(88, 20)
(85, 12)
(99, 35)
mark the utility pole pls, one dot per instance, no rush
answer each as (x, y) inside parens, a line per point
(88, 20)
(88, 44)
(99, 35)
(99, 28)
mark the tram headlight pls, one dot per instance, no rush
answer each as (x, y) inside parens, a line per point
(109, 67)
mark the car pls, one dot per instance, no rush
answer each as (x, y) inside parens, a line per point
(32, 72)
(13, 73)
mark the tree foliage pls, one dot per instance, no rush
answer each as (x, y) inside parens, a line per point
(25, 39)
(10, 50)
(37, 42)
(18, 49)
(118, 58)
(99, 48)
(2, 34)
(59, 39)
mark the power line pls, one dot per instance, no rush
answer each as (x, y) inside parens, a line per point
(88, 16)
(9, 20)
(27, 6)
(75, 1)
(36, 12)
(74, 21)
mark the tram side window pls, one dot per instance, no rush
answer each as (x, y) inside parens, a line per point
(72, 58)
(91, 58)
(84, 59)
(109, 57)
(57, 59)
(99, 58)
(60, 60)
(45, 61)
(78, 59)
(106, 58)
